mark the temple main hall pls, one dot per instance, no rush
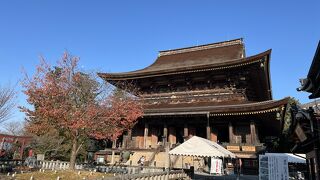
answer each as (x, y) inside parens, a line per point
(213, 91)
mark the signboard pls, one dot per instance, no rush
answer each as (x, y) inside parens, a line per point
(249, 148)
(216, 166)
(233, 148)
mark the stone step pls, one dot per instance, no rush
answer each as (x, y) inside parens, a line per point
(134, 158)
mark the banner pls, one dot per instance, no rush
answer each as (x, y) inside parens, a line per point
(216, 166)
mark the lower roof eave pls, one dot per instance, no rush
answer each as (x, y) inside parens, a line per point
(227, 110)
(177, 113)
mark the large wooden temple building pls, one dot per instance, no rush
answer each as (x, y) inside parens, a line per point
(213, 91)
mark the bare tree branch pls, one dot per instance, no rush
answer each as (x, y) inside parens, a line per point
(15, 128)
(7, 102)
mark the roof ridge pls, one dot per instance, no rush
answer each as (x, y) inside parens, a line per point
(201, 47)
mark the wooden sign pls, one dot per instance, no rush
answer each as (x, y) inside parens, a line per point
(249, 148)
(233, 148)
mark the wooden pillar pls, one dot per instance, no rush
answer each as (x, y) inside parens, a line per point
(140, 138)
(154, 137)
(145, 135)
(185, 131)
(130, 134)
(165, 132)
(114, 144)
(124, 141)
(231, 136)
(208, 127)
(172, 135)
(214, 132)
(214, 135)
(253, 132)
(128, 139)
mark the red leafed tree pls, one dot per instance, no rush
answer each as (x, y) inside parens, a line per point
(124, 112)
(70, 102)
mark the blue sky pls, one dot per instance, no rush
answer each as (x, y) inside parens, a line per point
(116, 36)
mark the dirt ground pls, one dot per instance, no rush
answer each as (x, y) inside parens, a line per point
(52, 175)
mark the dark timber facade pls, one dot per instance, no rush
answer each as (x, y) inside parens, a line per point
(212, 91)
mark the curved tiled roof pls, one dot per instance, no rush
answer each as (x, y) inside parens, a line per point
(149, 72)
(211, 57)
(184, 59)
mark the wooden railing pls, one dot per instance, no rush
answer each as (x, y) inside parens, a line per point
(129, 169)
(12, 162)
(9, 165)
(126, 172)
(62, 165)
(56, 165)
(179, 174)
(53, 165)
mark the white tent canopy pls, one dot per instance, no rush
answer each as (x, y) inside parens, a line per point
(291, 157)
(200, 147)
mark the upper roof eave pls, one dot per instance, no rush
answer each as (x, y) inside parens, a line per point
(212, 66)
